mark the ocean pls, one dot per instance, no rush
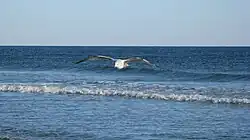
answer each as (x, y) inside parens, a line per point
(189, 93)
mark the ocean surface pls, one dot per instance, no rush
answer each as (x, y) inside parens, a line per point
(189, 93)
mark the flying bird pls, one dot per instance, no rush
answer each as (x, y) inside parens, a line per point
(119, 63)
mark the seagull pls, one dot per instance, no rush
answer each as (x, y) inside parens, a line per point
(119, 63)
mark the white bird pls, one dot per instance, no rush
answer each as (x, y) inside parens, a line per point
(119, 63)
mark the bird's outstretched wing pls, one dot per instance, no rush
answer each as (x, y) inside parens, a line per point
(98, 57)
(138, 59)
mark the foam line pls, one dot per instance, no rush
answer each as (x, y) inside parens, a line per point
(59, 89)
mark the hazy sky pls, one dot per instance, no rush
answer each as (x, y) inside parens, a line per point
(125, 22)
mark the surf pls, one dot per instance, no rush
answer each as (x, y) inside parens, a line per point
(108, 91)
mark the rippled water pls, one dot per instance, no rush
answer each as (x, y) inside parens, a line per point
(198, 93)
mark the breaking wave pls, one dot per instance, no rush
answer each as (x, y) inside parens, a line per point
(62, 89)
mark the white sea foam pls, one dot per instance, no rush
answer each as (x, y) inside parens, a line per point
(88, 90)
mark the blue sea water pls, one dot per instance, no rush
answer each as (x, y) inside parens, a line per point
(190, 93)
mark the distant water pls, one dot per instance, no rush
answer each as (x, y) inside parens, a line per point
(190, 93)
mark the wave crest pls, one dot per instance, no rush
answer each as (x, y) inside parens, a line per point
(60, 89)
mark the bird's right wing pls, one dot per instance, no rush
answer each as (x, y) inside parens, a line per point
(98, 57)
(138, 59)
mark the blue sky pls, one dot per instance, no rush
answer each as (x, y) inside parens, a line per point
(125, 22)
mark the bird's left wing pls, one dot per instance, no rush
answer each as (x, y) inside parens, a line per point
(98, 57)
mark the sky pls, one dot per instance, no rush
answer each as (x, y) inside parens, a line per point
(124, 22)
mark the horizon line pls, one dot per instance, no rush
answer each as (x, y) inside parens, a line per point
(129, 45)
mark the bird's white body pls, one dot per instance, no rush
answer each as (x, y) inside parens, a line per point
(120, 64)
